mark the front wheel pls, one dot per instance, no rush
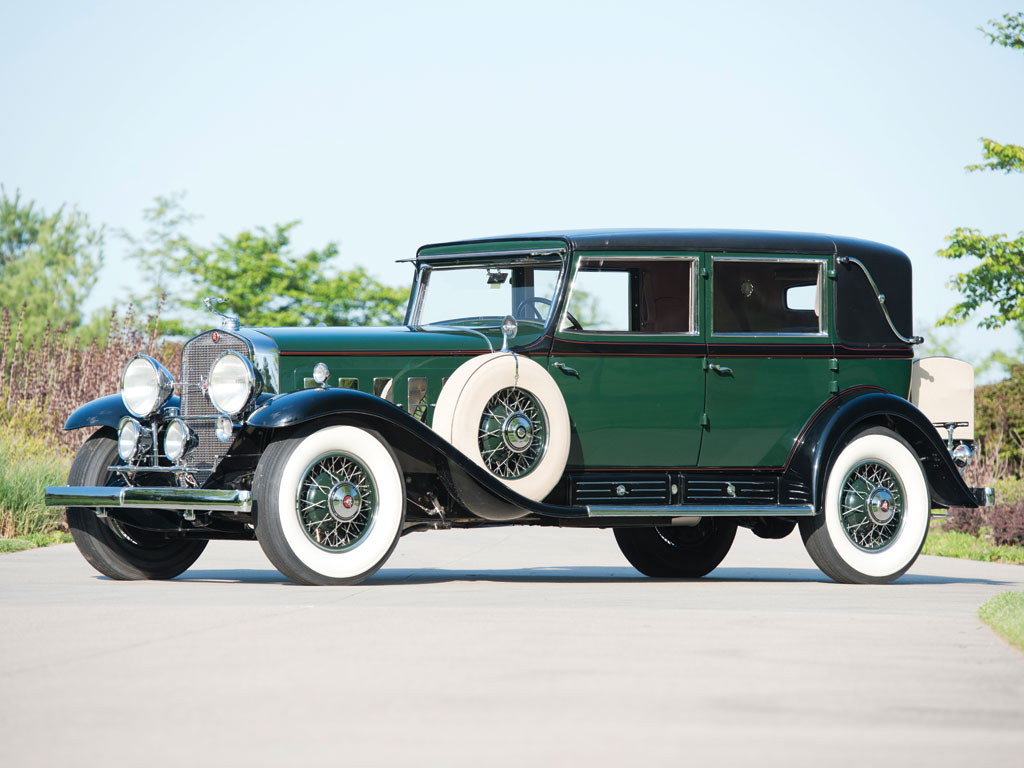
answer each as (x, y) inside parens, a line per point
(118, 550)
(677, 551)
(876, 511)
(330, 505)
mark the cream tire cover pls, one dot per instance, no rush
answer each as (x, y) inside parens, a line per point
(460, 409)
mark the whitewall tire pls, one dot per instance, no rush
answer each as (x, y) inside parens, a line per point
(330, 505)
(875, 514)
(506, 413)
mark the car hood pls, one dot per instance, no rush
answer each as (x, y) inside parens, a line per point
(393, 339)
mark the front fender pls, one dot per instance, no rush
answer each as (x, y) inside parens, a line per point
(104, 412)
(414, 441)
(863, 407)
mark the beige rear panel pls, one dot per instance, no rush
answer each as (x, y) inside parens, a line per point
(943, 388)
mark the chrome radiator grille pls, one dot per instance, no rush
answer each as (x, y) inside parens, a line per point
(197, 358)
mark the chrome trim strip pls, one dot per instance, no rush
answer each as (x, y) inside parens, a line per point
(486, 254)
(881, 300)
(135, 468)
(710, 510)
(457, 328)
(206, 499)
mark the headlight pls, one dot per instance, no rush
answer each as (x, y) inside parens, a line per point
(145, 386)
(178, 440)
(132, 439)
(232, 383)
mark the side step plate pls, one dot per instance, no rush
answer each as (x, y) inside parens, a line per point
(700, 510)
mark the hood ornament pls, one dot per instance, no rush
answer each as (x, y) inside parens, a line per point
(227, 322)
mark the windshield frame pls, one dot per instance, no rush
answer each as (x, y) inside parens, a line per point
(483, 259)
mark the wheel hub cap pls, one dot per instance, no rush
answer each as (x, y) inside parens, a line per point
(517, 432)
(881, 506)
(343, 502)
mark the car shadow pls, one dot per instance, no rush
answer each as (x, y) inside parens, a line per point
(563, 575)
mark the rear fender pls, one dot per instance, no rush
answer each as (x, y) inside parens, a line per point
(861, 408)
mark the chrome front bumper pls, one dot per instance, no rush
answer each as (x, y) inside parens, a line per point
(198, 499)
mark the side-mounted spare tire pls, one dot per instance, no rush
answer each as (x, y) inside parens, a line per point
(506, 413)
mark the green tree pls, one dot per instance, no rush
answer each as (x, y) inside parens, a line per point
(258, 274)
(48, 262)
(998, 278)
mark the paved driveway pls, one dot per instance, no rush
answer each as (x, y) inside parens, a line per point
(500, 647)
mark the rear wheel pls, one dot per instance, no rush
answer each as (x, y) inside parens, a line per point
(876, 511)
(119, 550)
(677, 551)
(330, 505)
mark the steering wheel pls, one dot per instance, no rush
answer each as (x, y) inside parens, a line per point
(528, 304)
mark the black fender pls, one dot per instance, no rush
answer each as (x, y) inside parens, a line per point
(105, 412)
(860, 408)
(418, 446)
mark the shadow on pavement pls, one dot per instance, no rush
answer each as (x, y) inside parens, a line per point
(562, 575)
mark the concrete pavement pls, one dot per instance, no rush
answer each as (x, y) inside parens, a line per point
(498, 647)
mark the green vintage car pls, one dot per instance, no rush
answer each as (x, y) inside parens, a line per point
(670, 385)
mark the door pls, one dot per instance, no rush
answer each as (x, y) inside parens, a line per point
(629, 361)
(770, 355)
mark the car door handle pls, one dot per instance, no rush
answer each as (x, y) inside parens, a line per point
(722, 369)
(567, 370)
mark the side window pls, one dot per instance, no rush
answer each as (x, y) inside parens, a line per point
(634, 295)
(600, 300)
(766, 297)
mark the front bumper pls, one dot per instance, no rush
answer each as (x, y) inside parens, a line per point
(196, 499)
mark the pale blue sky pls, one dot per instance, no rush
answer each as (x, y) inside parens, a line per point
(387, 125)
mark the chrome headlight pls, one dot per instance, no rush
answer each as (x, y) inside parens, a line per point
(178, 440)
(232, 383)
(132, 439)
(145, 386)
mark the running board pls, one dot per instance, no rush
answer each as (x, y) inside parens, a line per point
(701, 510)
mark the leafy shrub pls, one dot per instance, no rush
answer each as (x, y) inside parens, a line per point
(999, 421)
(1007, 522)
(966, 520)
(1003, 523)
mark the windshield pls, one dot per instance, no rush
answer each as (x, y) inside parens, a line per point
(483, 294)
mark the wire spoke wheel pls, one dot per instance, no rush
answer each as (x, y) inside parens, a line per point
(872, 504)
(336, 502)
(513, 433)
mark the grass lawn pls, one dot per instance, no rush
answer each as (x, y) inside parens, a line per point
(29, 463)
(33, 540)
(1005, 614)
(956, 544)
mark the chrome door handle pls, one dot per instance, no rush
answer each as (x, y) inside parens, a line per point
(567, 370)
(722, 369)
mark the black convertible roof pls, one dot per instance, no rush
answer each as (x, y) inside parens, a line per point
(728, 240)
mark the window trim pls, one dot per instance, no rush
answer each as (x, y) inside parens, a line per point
(823, 316)
(694, 260)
